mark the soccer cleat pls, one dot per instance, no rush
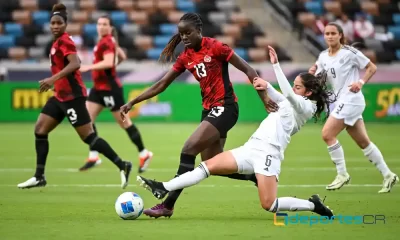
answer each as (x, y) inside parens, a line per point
(156, 188)
(33, 182)
(90, 163)
(144, 162)
(158, 210)
(320, 208)
(389, 182)
(340, 180)
(125, 174)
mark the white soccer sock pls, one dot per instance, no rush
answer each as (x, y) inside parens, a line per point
(337, 156)
(374, 155)
(143, 153)
(291, 204)
(188, 179)
(93, 154)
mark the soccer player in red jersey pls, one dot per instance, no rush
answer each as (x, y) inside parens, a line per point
(207, 59)
(68, 101)
(107, 90)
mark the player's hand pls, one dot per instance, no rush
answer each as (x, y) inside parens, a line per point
(260, 84)
(313, 69)
(355, 87)
(46, 84)
(271, 106)
(273, 57)
(84, 68)
(124, 110)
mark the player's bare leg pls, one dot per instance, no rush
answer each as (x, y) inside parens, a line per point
(145, 155)
(44, 125)
(330, 131)
(93, 160)
(87, 134)
(359, 134)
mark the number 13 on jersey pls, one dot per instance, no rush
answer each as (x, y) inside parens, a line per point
(201, 70)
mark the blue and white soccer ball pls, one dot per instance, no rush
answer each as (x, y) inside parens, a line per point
(129, 206)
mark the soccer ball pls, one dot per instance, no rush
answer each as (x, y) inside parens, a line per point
(129, 206)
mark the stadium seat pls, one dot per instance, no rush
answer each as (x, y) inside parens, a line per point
(119, 18)
(87, 5)
(242, 53)
(139, 17)
(21, 17)
(334, 7)
(314, 7)
(371, 8)
(36, 52)
(74, 29)
(218, 17)
(174, 16)
(166, 6)
(30, 5)
(230, 41)
(95, 15)
(43, 39)
(168, 29)
(231, 30)
(396, 18)
(17, 53)
(7, 41)
(239, 18)
(154, 53)
(125, 5)
(398, 54)
(161, 41)
(226, 6)
(185, 6)
(14, 29)
(143, 42)
(41, 17)
(80, 16)
(147, 6)
(257, 54)
(130, 29)
(90, 30)
(395, 30)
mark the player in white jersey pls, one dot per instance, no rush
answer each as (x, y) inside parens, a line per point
(263, 152)
(343, 63)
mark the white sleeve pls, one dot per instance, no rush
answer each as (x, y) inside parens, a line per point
(320, 68)
(298, 102)
(358, 59)
(274, 95)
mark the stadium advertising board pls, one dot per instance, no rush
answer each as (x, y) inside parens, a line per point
(181, 102)
(283, 219)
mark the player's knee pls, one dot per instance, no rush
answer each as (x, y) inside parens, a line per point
(40, 128)
(327, 136)
(269, 204)
(125, 124)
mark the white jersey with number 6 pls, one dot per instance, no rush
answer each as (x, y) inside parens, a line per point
(343, 70)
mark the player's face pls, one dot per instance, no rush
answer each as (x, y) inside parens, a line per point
(332, 35)
(103, 27)
(299, 89)
(57, 25)
(190, 36)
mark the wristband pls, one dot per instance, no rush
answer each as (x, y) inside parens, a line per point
(361, 81)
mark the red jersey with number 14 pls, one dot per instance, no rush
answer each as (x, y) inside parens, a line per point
(209, 66)
(106, 79)
(71, 86)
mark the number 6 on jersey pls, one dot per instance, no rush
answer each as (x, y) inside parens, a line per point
(201, 70)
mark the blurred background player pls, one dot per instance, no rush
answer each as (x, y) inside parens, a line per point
(263, 152)
(207, 59)
(343, 63)
(68, 101)
(108, 92)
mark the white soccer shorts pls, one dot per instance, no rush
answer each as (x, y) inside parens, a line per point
(351, 113)
(252, 160)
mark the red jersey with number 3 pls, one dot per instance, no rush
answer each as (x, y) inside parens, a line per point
(106, 79)
(71, 86)
(210, 67)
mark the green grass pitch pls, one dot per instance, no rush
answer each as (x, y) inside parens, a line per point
(81, 205)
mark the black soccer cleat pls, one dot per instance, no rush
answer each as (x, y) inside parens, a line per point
(125, 174)
(156, 188)
(33, 182)
(320, 208)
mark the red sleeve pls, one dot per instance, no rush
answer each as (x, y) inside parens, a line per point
(67, 47)
(179, 65)
(222, 51)
(108, 46)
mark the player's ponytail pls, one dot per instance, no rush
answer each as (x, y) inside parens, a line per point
(319, 92)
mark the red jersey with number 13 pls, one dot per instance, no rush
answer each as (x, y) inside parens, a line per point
(71, 86)
(210, 67)
(106, 79)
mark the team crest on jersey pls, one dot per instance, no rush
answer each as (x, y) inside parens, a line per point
(207, 58)
(53, 51)
(95, 49)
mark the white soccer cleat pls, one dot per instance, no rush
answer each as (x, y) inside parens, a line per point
(389, 182)
(340, 180)
(144, 161)
(33, 182)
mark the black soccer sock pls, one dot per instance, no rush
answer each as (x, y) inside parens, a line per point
(135, 137)
(100, 145)
(95, 131)
(244, 177)
(42, 149)
(186, 165)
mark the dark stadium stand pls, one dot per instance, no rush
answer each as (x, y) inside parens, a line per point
(383, 14)
(144, 26)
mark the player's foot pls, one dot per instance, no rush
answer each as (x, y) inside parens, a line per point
(90, 163)
(389, 182)
(33, 182)
(125, 174)
(156, 188)
(158, 210)
(340, 180)
(144, 160)
(320, 208)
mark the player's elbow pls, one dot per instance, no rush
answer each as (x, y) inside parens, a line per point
(372, 68)
(75, 65)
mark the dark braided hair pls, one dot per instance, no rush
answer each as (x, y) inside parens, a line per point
(168, 52)
(319, 92)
